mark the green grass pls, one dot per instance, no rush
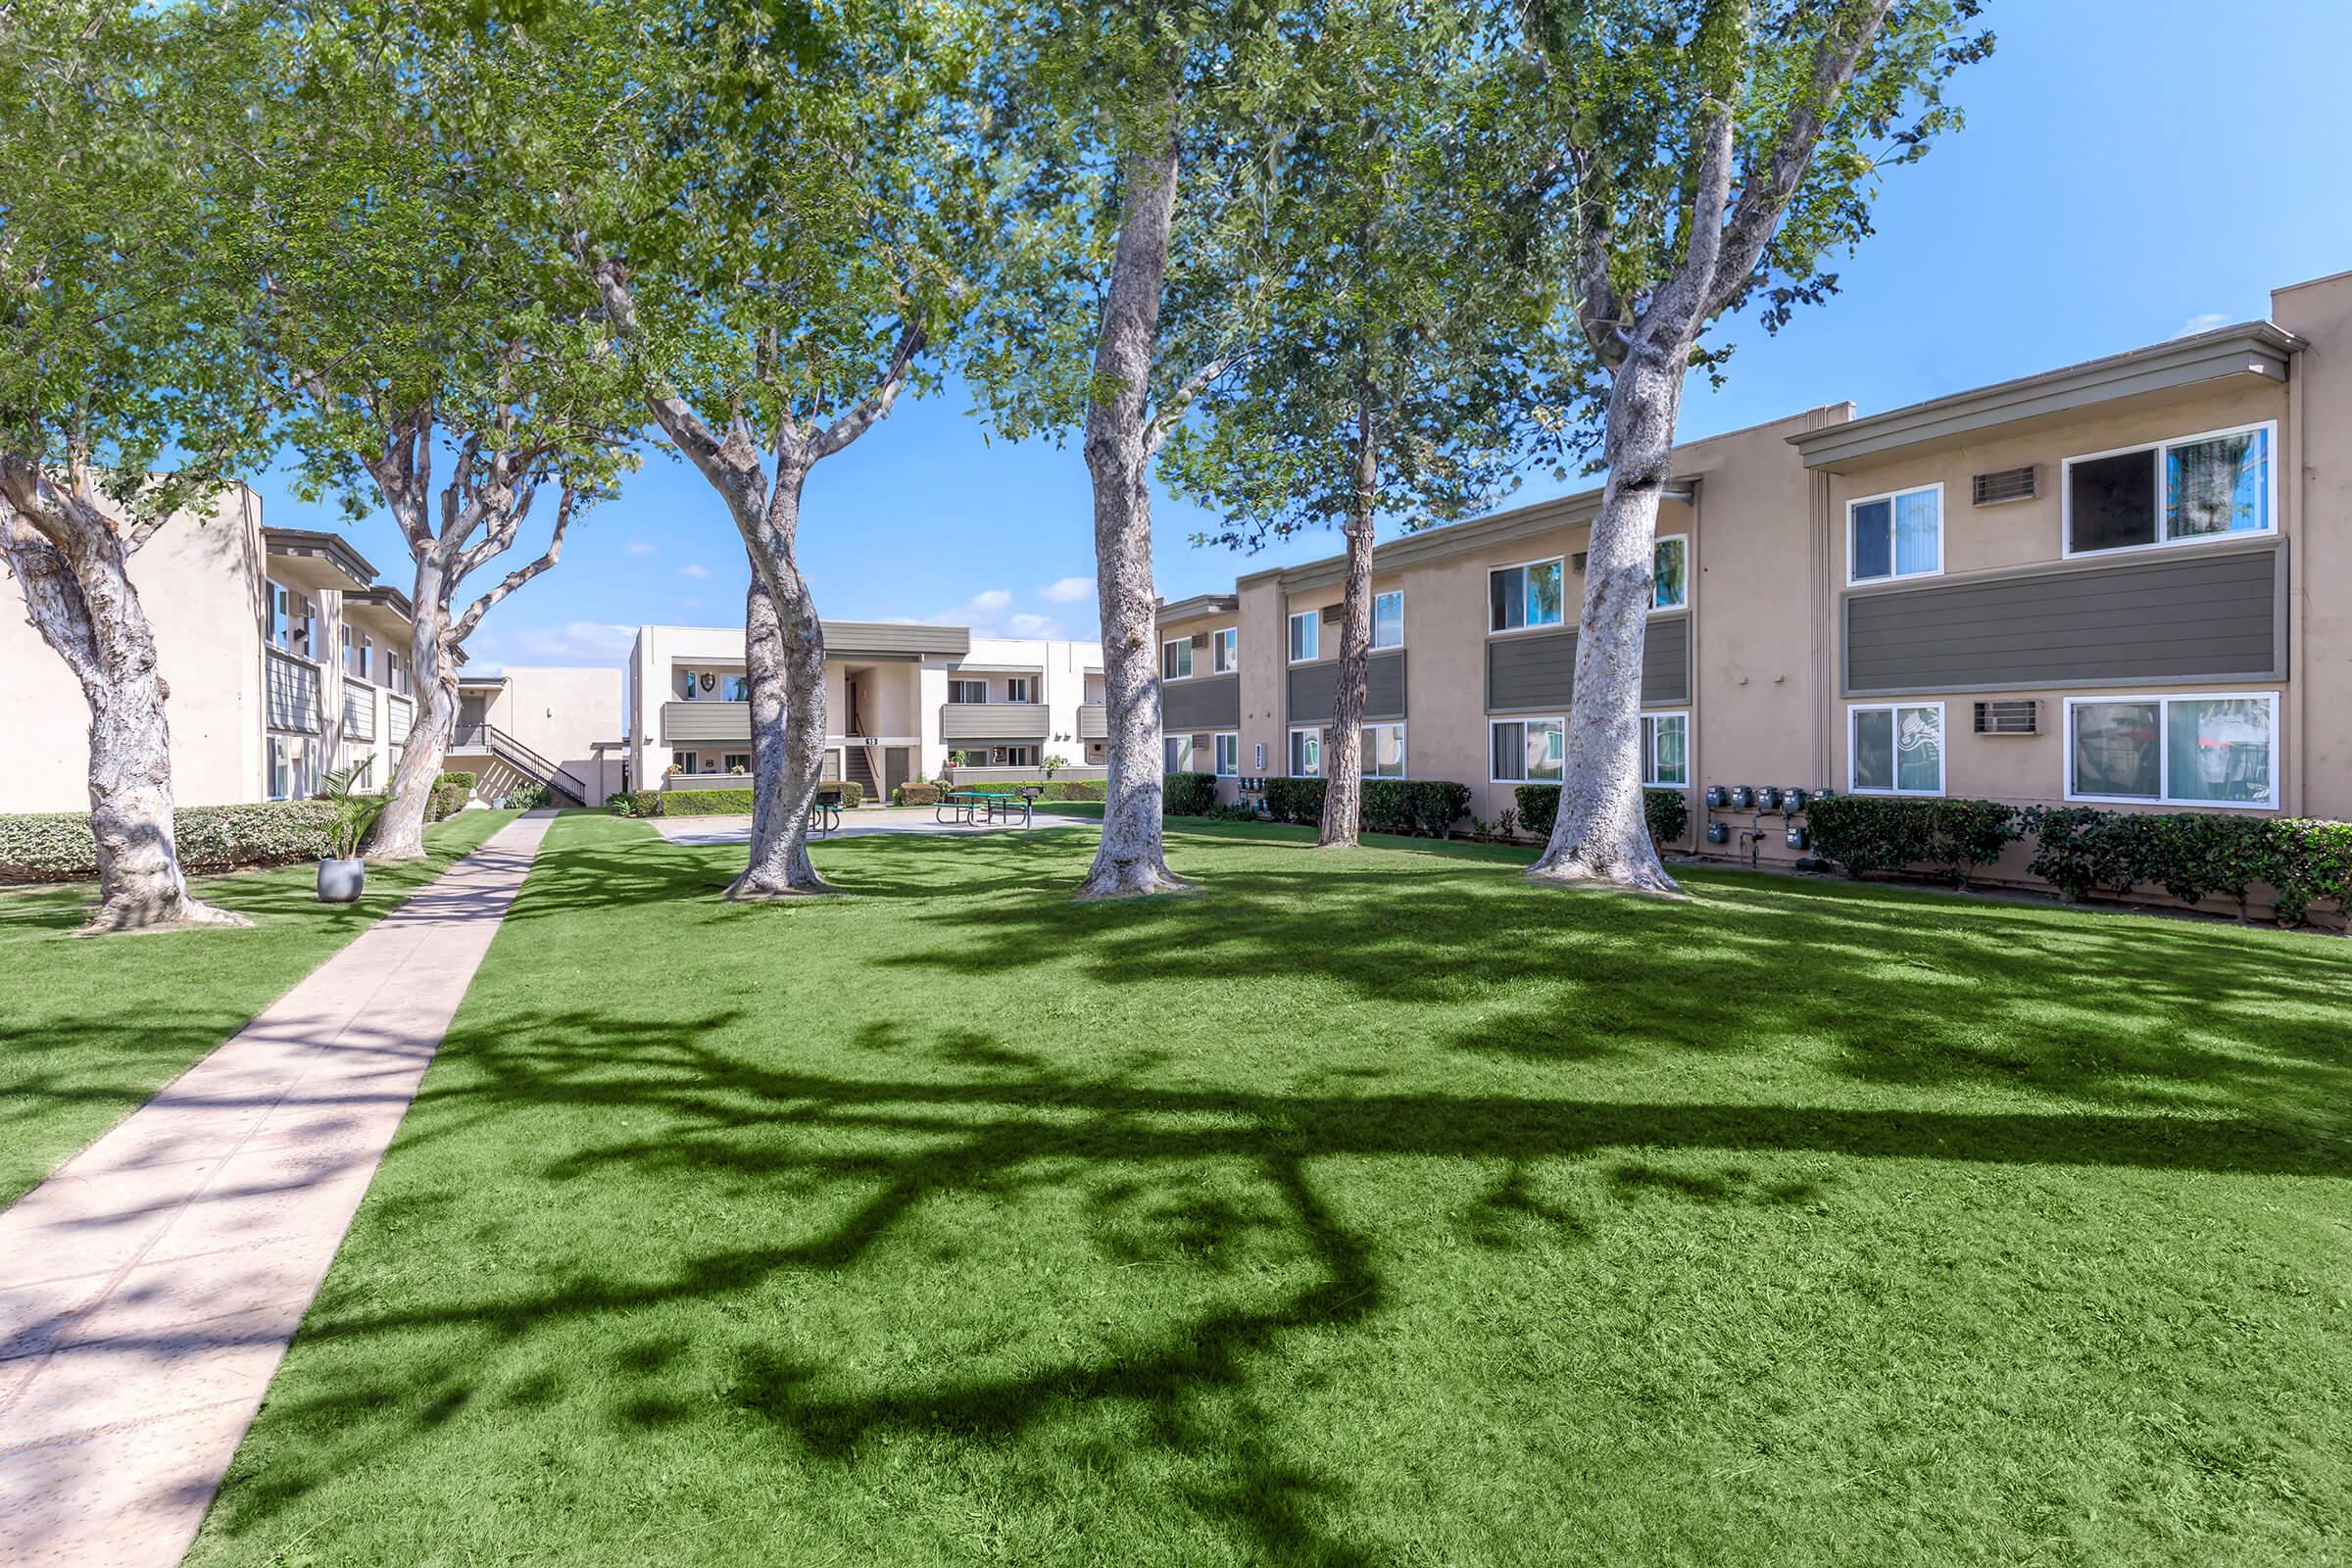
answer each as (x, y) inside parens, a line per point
(90, 1028)
(1364, 1209)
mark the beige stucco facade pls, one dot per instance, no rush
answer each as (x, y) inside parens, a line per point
(1777, 615)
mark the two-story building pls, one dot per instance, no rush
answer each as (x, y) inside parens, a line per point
(2122, 582)
(901, 701)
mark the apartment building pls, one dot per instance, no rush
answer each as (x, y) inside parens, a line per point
(901, 701)
(285, 660)
(2123, 582)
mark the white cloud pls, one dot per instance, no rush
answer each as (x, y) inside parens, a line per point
(991, 602)
(2202, 324)
(574, 642)
(1067, 590)
(694, 569)
(1029, 625)
(640, 547)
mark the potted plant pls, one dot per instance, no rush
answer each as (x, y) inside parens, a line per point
(1054, 764)
(342, 874)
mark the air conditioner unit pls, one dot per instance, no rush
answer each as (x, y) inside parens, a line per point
(2020, 717)
(2006, 485)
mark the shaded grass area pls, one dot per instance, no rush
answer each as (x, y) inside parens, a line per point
(1364, 1209)
(91, 1028)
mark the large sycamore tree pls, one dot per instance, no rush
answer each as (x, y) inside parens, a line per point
(1130, 141)
(782, 237)
(444, 358)
(1705, 154)
(128, 396)
(1392, 378)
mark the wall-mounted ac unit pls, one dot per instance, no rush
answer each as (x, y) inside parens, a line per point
(2020, 717)
(2008, 484)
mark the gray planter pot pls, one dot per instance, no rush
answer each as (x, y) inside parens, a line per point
(341, 881)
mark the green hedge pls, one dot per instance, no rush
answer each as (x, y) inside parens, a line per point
(1424, 807)
(451, 792)
(526, 796)
(1186, 794)
(2194, 855)
(705, 802)
(1667, 811)
(59, 847)
(1077, 790)
(918, 794)
(1295, 800)
(1867, 833)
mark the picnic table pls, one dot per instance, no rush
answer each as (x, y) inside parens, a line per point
(824, 812)
(980, 805)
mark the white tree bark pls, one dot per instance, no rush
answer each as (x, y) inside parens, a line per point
(73, 562)
(784, 659)
(1120, 442)
(1342, 749)
(434, 686)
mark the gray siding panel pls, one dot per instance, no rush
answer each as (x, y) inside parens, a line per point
(685, 724)
(1003, 723)
(1204, 701)
(293, 692)
(1314, 689)
(1539, 673)
(2148, 618)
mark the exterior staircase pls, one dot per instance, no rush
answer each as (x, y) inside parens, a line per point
(858, 764)
(517, 763)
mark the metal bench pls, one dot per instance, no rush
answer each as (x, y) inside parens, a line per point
(824, 812)
(976, 807)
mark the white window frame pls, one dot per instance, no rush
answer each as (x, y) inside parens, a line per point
(966, 682)
(1225, 651)
(2157, 450)
(1648, 779)
(1892, 575)
(1366, 753)
(1291, 748)
(1690, 578)
(1186, 673)
(1166, 764)
(1396, 594)
(1943, 751)
(1020, 688)
(1314, 618)
(2164, 746)
(685, 762)
(1225, 754)
(1493, 725)
(1009, 753)
(727, 759)
(1561, 624)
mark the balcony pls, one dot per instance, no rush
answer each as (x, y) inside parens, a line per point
(994, 721)
(1094, 721)
(713, 721)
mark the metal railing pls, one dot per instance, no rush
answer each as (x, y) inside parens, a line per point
(515, 755)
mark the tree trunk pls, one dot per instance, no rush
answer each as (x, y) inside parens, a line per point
(1342, 749)
(433, 682)
(787, 756)
(80, 598)
(1602, 834)
(784, 656)
(1131, 858)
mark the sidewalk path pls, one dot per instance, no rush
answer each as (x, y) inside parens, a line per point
(149, 1287)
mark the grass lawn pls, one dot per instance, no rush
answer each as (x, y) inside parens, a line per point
(1365, 1209)
(90, 1029)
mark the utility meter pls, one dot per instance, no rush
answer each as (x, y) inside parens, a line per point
(1770, 797)
(1717, 798)
(1744, 798)
(1799, 839)
(1719, 832)
(1794, 800)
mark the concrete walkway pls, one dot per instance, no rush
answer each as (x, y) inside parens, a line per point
(149, 1287)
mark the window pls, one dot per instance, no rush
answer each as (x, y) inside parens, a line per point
(1225, 651)
(2175, 492)
(1897, 535)
(293, 769)
(684, 762)
(396, 672)
(1524, 596)
(1228, 754)
(1670, 573)
(1176, 752)
(2173, 751)
(1306, 752)
(1897, 750)
(359, 653)
(735, 762)
(1666, 749)
(1176, 659)
(1529, 750)
(1020, 689)
(1382, 755)
(736, 688)
(291, 620)
(1387, 618)
(968, 692)
(1016, 757)
(1307, 636)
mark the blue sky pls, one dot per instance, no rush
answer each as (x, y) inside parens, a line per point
(2130, 169)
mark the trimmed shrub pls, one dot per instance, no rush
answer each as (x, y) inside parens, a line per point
(853, 794)
(1186, 794)
(1295, 800)
(705, 802)
(918, 794)
(1667, 811)
(2306, 860)
(1077, 790)
(1231, 811)
(1869, 833)
(451, 792)
(2082, 849)
(58, 846)
(526, 797)
(1424, 807)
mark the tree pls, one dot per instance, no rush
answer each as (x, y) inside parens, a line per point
(1127, 139)
(1706, 155)
(450, 364)
(784, 239)
(127, 395)
(1392, 378)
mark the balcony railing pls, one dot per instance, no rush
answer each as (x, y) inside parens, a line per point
(1094, 721)
(708, 721)
(994, 721)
